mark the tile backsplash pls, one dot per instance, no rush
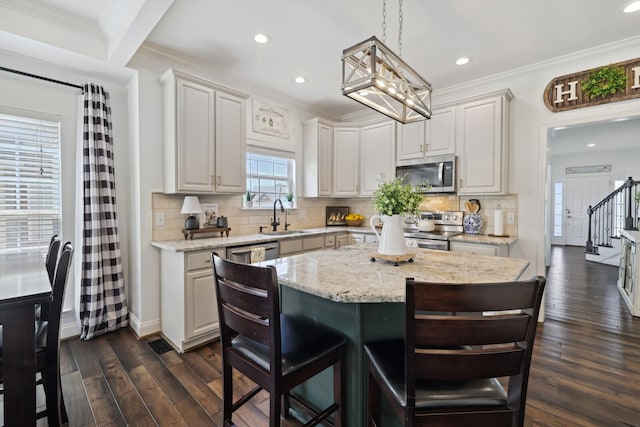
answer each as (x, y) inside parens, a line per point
(310, 212)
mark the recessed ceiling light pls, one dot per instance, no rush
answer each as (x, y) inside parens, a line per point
(632, 7)
(300, 79)
(591, 145)
(462, 61)
(261, 38)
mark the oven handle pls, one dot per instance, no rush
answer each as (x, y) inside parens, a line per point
(442, 246)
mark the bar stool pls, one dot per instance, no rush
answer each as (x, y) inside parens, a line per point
(276, 351)
(445, 372)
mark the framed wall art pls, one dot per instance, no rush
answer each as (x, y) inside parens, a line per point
(270, 120)
(336, 215)
(209, 215)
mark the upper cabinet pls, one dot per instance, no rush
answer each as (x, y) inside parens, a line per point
(317, 156)
(204, 136)
(482, 144)
(432, 137)
(377, 145)
(345, 161)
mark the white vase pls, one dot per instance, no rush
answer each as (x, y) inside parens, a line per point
(391, 242)
(247, 204)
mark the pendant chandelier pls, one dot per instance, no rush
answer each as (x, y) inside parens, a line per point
(375, 76)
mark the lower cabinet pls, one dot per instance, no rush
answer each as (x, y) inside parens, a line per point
(363, 238)
(480, 248)
(342, 240)
(188, 308)
(304, 244)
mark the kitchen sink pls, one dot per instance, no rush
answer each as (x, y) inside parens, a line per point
(284, 232)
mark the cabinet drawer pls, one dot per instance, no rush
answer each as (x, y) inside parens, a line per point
(290, 246)
(200, 259)
(311, 243)
(330, 241)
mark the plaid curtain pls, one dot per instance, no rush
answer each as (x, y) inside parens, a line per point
(103, 305)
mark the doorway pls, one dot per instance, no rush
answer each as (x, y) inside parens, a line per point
(582, 192)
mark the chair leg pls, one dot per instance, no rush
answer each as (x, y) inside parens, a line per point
(275, 400)
(227, 394)
(52, 393)
(338, 387)
(372, 401)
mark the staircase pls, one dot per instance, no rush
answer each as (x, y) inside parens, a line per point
(618, 211)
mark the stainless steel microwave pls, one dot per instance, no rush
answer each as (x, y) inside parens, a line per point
(438, 171)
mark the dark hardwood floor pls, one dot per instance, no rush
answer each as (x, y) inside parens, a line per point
(585, 369)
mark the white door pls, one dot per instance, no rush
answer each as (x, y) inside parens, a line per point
(582, 192)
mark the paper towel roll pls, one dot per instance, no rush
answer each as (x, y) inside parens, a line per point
(498, 225)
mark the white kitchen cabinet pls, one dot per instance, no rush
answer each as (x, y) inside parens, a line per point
(377, 145)
(188, 308)
(345, 161)
(482, 144)
(317, 137)
(342, 240)
(629, 270)
(480, 248)
(204, 136)
(301, 245)
(432, 137)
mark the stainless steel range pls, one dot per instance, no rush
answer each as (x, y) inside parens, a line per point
(445, 225)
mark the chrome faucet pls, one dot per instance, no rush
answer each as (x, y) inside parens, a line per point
(275, 222)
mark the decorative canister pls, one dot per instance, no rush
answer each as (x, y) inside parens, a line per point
(472, 223)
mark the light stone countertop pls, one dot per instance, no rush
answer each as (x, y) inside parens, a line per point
(633, 235)
(347, 274)
(197, 244)
(187, 245)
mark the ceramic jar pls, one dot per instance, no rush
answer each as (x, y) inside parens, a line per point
(472, 223)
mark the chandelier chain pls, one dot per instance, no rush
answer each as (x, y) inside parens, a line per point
(384, 21)
(400, 29)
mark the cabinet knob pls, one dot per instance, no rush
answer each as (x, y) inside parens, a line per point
(219, 180)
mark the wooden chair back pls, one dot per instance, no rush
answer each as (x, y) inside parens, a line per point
(449, 339)
(52, 256)
(248, 305)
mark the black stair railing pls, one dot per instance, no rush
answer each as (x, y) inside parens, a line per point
(617, 211)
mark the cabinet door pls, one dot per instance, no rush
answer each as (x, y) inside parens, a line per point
(342, 240)
(410, 141)
(201, 311)
(230, 144)
(325, 159)
(376, 156)
(345, 161)
(195, 138)
(480, 147)
(441, 132)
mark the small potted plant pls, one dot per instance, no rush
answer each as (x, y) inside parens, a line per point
(289, 202)
(247, 199)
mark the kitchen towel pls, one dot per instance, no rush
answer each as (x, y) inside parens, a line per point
(257, 254)
(498, 225)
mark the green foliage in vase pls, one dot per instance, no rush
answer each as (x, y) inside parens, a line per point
(289, 197)
(395, 197)
(606, 81)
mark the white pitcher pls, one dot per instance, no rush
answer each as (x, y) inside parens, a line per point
(392, 240)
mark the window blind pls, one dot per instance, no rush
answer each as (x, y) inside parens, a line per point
(30, 190)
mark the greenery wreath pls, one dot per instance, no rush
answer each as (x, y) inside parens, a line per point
(605, 81)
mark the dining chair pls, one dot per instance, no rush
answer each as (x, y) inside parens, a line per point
(461, 341)
(276, 351)
(50, 263)
(48, 343)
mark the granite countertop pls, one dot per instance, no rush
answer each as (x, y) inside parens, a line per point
(187, 245)
(484, 239)
(633, 235)
(347, 274)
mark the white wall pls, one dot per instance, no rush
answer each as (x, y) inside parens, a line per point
(36, 95)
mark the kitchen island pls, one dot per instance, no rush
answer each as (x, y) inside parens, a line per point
(364, 300)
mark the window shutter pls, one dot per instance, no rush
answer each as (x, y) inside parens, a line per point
(30, 193)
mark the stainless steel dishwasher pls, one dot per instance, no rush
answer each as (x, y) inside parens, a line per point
(243, 253)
